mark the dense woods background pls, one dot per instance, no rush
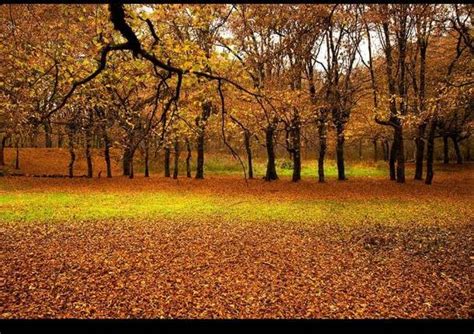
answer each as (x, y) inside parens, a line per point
(167, 84)
(94, 99)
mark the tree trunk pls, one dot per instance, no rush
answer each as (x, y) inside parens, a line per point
(200, 156)
(107, 154)
(60, 137)
(147, 159)
(188, 159)
(296, 143)
(88, 154)
(132, 174)
(322, 150)
(167, 162)
(393, 157)
(459, 159)
(72, 155)
(176, 158)
(248, 149)
(419, 142)
(430, 153)
(420, 152)
(400, 155)
(47, 134)
(201, 125)
(271, 173)
(2, 151)
(445, 150)
(126, 161)
(341, 174)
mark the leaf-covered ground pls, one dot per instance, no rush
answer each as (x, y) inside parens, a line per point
(218, 248)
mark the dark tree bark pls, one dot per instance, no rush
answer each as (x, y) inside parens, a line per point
(459, 159)
(201, 125)
(2, 151)
(422, 42)
(341, 174)
(445, 150)
(248, 149)
(176, 158)
(188, 158)
(400, 155)
(88, 156)
(132, 174)
(430, 152)
(402, 38)
(105, 139)
(107, 154)
(271, 173)
(147, 159)
(200, 156)
(322, 149)
(88, 142)
(296, 147)
(60, 137)
(47, 134)
(167, 162)
(420, 152)
(126, 161)
(72, 154)
(393, 158)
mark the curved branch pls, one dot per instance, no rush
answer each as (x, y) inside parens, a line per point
(234, 154)
(102, 63)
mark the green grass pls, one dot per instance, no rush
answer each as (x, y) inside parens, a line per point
(308, 170)
(59, 206)
(225, 165)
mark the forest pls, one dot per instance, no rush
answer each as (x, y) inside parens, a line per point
(236, 160)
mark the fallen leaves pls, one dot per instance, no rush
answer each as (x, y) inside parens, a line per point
(195, 269)
(228, 267)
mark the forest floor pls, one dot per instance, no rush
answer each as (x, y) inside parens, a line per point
(224, 248)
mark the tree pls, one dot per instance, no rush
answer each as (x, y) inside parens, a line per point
(342, 38)
(394, 24)
(254, 45)
(424, 21)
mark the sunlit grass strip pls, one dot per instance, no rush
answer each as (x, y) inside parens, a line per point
(227, 166)
(59, 206)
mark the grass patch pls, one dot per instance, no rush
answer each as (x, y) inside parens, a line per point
(60, 206)
(227, 166)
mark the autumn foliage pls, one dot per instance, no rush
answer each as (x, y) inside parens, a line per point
(318, 130)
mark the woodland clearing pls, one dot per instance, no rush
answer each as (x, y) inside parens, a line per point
(223, 248)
